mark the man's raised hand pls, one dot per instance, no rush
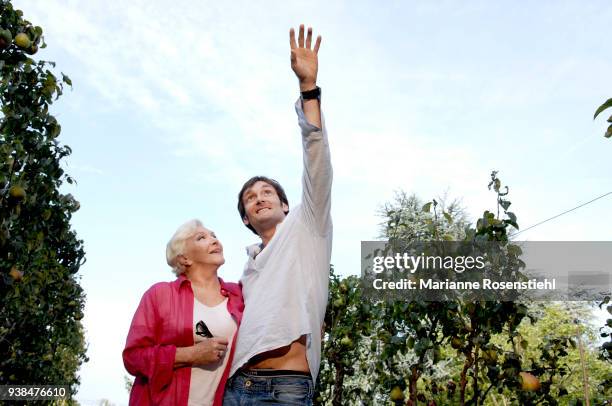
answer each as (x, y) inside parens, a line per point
(304, 61)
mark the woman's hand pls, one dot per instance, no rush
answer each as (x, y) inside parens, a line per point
(207, 351)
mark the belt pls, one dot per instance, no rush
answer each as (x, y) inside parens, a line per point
(274, 372)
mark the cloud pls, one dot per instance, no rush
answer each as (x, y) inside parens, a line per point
(206, 91)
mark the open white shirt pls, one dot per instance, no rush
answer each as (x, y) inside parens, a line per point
(285, 285)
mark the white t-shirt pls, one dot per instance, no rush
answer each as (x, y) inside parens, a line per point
(206, 378)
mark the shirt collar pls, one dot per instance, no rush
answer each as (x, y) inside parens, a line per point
(224, 288)
(182, 279)
(253, 250)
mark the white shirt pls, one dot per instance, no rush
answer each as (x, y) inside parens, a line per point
(285, 285)
(206, 378)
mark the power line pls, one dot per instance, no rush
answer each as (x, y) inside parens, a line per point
(565, 212)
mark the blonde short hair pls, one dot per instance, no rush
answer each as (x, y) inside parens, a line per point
(176, 245)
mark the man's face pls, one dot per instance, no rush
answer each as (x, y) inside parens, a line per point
(203, 248)
(263, 207)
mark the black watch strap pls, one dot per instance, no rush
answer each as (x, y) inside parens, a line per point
(312, 94)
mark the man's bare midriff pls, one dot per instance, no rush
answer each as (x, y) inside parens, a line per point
(291, 357)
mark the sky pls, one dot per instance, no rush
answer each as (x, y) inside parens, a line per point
(176, 104)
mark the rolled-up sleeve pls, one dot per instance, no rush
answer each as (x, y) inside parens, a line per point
(317, 175)
(143, 355)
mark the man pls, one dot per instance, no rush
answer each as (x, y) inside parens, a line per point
(285, 281)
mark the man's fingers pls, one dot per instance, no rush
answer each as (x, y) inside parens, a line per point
(301, 36)
(292, 38)
(221, 340)
(309, 38)
(317, 44)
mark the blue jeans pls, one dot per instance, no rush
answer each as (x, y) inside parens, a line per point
(248, 388)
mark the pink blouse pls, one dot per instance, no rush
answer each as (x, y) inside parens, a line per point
(163, 322)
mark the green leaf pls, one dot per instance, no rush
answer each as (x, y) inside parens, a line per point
(426, 207)
(497, 185)
(448, 217)
(66, 80)
(511, 216)
(601, 108)
(608, 133)
(512, 223)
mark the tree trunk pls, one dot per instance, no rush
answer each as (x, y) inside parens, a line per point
(338, 385)
(585, 376)
(463, 382)
(412, 385)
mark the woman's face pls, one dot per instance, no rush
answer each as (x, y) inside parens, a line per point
(203, 248)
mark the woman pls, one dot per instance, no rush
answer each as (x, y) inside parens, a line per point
(181, 341)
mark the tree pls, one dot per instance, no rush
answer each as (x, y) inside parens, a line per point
(41, 302)
(404, 218)
(459, 351)
(398, 345)
(550, 344)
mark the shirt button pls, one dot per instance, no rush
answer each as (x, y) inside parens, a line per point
(248, 383)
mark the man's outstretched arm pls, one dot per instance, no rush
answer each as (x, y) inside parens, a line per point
(317, 176)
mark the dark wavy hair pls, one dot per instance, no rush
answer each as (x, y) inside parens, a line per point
(279, 191)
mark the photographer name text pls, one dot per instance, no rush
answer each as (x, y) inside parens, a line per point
(484, 284)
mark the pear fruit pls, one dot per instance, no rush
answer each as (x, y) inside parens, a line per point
(529, 382)
(397, 394)
(22, 40)
(5, 38)
(17, 192)
(346, 342)
(16, 274)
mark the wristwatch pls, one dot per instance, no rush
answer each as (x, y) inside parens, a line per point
(312, 94)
